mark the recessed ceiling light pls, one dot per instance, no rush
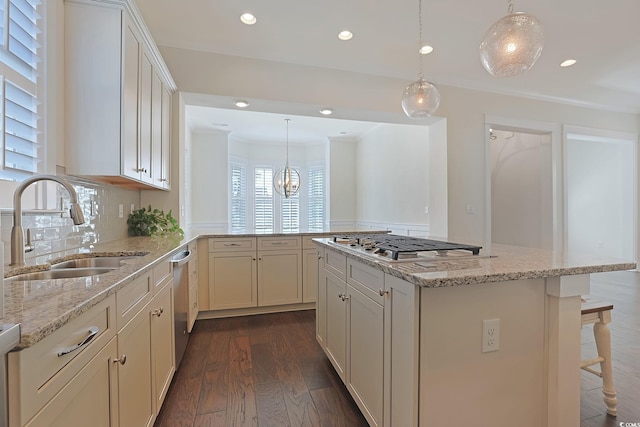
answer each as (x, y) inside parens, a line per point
(568, 62)
(345, 35)
(426, 49)
(248, 18)
(326, 111)
(242, 104)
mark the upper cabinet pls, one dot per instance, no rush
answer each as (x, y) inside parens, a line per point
(118, 95)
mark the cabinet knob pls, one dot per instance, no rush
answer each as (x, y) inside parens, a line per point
(163, 179)
(382, 292)
(344, 297)
(158, 312)
(195, 304)
(320, 257)
(254, 259)
(122, 360)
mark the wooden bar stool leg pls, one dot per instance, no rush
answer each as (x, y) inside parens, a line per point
(602, 336)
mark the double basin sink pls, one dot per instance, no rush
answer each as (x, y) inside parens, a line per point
(80, 267)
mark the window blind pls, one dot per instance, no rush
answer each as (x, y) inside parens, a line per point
(263, 199)
(20, 52)
(316, 198)
(238, 198)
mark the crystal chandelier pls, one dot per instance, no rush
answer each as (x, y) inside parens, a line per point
(512, 45)
(421, 98)
(286, 180)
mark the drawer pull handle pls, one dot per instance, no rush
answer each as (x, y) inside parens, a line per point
(158, 312)
(279, 243)
(122, 360)
(382, 292)
(232, 244)
(93, 331)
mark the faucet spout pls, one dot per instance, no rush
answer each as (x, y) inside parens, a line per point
(17, 234)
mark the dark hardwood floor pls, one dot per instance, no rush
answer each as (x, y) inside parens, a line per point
(268, 370)
(264, 370)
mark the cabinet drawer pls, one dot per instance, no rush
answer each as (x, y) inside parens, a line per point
(161, 271)
(38, 373)
(307, 242)
(366, 279)
(277, 243)
(131, 298)
(336, 263)
(235, 244)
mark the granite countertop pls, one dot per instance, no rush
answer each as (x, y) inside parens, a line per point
(43, 306)
(496, 264)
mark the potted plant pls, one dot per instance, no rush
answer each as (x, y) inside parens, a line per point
(153, 222)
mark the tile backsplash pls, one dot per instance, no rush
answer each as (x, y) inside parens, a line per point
(53, 230)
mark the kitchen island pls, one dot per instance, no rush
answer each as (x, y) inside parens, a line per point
(409, 337)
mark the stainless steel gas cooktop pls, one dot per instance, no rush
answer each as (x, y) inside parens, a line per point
(395, 248)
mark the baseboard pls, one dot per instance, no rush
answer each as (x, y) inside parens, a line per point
(217, 314)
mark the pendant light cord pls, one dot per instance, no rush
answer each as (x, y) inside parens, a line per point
(510, 7)
(420, 37)
(287, 120)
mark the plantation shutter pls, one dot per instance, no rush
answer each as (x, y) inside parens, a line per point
(291, 212)
(20, 52)
(263, 199)
(316, 198)
(238, 198)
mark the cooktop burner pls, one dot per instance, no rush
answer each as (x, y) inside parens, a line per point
(402, 246)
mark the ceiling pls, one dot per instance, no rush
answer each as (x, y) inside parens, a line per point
(604, 37)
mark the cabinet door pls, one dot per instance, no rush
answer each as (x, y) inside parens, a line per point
(233, 280)
(156, 130)
(130, 116)
(401, 317)
(162, 348)
(279, 277)
(88, 399)
(336, 340)
(310, 275)
(365, 371)
(135, 399)
(165, 171)
(321, 308)
(146, 84)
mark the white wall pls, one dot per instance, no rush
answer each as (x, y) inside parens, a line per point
(465, 110)
(521, 191)
(600, 200)
(342, 183)
(393, 174)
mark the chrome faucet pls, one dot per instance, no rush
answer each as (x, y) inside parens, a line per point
(17, 235)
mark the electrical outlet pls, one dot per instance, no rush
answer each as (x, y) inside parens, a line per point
(469, 209)
(121, 210)
(490, 335)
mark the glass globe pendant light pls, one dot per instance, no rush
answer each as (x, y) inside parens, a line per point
(512, 45)
(286, 180)
(421, 98)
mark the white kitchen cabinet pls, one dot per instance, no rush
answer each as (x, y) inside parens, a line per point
(279, 271)
(51, 377)
(401, 352)
(118, 95)
(310, 278)
(135, 394)
(233, 280)
(192, 312)
(321, 302)
(336, 317)
(162, 343)
(365, 354)
(88, 399)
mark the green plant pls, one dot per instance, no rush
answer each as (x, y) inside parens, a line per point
(153, 222)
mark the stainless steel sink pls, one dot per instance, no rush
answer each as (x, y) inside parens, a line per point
(65, 273)
(94, 262)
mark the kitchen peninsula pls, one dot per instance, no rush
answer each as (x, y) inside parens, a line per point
(409, 337)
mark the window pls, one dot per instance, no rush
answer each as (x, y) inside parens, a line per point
(256, 206)
(20, 85)
(263, 199)
(238, 198)
(315, 199)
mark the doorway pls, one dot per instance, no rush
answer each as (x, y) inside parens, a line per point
(521, 188)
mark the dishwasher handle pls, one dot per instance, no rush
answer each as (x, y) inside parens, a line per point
(181, 259)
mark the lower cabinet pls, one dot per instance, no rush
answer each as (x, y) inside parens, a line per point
(88, 399)
(279, 277)
(90, 373)
(135, 398)
(365, 350)
(233, 280)
(367, 325)
(310, 275)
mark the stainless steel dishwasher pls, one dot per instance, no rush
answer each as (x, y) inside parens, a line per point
(181, 301)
